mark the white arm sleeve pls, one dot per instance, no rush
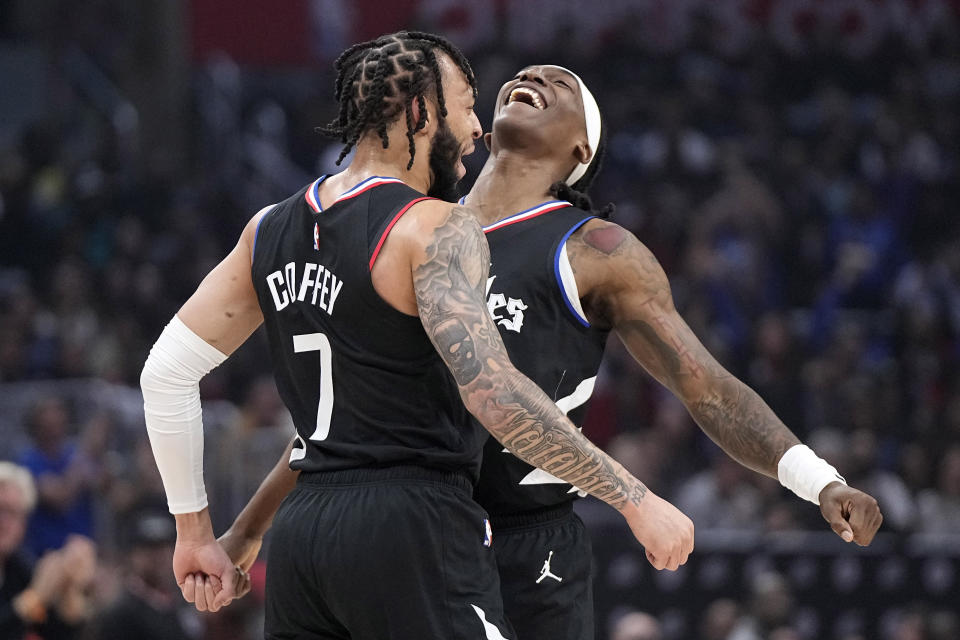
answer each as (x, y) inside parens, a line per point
(171, 406)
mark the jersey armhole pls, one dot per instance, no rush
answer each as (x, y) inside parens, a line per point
(263, 213)
(566, 279)
(389, 228)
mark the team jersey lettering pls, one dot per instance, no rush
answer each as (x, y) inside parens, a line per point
(363, 382)
(316, 282)
(514, 308)
(532, 297)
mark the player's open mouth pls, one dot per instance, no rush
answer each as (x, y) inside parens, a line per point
(464, 152)
(528, 96)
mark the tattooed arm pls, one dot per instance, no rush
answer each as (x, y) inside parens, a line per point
(449, 274)
(624, 287)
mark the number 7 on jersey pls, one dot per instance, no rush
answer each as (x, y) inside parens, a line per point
(318, 342)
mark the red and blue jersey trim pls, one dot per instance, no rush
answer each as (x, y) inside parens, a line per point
(312, 195)
(386, 232)
(532, 212)
(556, 271)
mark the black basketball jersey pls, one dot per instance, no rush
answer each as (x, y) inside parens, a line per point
(363, 382)
(532, 296)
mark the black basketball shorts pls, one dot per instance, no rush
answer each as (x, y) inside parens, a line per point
(545, 562)
(400, 553)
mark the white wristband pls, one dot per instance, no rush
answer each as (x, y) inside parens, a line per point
(806, 474)
(171, 406)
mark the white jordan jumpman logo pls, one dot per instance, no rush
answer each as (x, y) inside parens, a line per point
(545, 571)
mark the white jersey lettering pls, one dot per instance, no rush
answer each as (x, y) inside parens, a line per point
(280, 299)
(285, 287)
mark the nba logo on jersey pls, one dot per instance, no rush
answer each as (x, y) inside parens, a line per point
(316, 236)
(487, 533)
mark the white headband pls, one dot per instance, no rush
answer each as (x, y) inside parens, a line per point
(591, 113)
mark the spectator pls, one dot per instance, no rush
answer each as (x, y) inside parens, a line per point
(719, 619)
(862, 469)
(66, 475)
(245, 450)
(48, 601)
(150, 606)
(636, 625)
(722, 497)
(771, 606)
(940, 508)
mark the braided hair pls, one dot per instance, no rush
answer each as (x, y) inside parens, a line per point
(576, 194)
(376, 81)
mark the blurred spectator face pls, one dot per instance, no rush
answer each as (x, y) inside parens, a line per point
(772, 601)
(720, 619)
(151, 540)
(773, 337)
(915, 466)
(863, 451)
(13, 518)
(49, 424)
(151, 563)
(910, 627)
(637, 626)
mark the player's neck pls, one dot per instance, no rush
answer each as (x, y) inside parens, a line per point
(371, 159)
(509, 183)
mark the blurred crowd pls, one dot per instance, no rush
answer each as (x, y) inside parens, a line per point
(801, 205)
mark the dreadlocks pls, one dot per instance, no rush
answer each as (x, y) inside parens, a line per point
(576, 194)
(376, 81)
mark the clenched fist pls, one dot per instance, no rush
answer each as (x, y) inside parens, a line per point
(853, 515)
(665, 532)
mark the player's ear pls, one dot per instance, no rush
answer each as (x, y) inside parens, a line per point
(487, 139)
(582, 152)
(415, 112)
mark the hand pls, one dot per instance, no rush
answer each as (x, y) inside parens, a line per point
(204, 572)
(852, 514)
(80, 561)
(49, 577)
(241, 583)
(241, 549)
(664, 531)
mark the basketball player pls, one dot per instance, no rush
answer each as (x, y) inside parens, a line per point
(560, 280)
(373, 300)
(576, 277)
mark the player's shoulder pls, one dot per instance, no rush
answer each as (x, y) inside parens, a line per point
(429, 217)
(300, 201)
(249, 234)
(603, 239)
(602, 253)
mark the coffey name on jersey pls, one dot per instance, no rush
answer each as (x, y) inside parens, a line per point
(532, 296)
(363, 382)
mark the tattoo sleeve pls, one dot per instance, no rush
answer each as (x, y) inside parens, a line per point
(632, 294)
(449, 284)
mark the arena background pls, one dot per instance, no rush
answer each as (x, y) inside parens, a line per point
(792, 163)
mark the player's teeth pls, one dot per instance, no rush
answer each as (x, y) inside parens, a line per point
(537, 102)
